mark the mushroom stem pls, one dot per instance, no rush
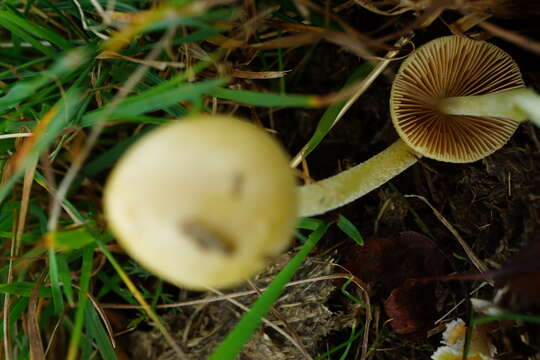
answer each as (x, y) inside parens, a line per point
(349, 185)
(517, 104)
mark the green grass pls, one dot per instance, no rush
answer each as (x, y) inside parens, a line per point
(54, 86)
(232, 345)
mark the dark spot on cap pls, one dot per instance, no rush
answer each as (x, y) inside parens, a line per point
(238, 182)
(206, 237)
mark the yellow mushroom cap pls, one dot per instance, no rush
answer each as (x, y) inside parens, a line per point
(203, 202)
(452, 66)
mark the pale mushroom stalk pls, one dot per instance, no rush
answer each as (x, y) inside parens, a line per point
(517, 104)
(351, 184)
(483, 98)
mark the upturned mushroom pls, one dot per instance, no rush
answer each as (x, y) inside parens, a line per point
(453, 99)
(203, 202)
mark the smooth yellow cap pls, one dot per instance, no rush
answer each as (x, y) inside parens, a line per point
(203, 202)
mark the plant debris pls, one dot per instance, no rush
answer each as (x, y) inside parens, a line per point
(302, 310)
(393, 268)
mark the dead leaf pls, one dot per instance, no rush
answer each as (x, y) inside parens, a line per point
(240, 74)
(160, 65)
(387, 262)
(411, 307)
(393, 267)
(34, 335)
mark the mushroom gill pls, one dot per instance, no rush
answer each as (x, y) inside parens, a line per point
(452, 66)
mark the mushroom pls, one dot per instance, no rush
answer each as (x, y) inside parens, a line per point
(204, 202)
(480, 347)
(453, 99)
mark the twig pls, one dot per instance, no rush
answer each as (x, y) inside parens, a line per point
(102, 315)
(281, 318)
(52, 335)
(15, 135)
(470, 253)
(519, 40)
(223, 297)
(360, 89)
(266, 322)
(85, 25)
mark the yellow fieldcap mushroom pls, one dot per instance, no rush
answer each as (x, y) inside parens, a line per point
(203, 202)
(453, 99)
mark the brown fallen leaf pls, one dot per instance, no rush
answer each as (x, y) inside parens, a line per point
(411, 307)
(385, 263)
(393, 267)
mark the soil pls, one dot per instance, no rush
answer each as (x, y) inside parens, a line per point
(493, 204)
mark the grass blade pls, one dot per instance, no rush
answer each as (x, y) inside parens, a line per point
(70, 239)
(17, 32)
(350, 230)
(23, 288)
(140, 299)
(507, 316)
(354, 335)
(65, 277)
(58, 301)
(330, 116)
(157, 98)
(15, 312)
(108, 158)
(233, 343)
(84, 285)
(309, 224)
(264, 99)
(36, 30)
(96, 330)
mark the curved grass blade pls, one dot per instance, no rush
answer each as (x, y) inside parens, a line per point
(330, 116)
(96, 330)
(350, 230)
